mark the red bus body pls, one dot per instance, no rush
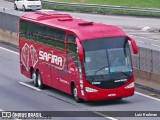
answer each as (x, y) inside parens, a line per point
(58, 61)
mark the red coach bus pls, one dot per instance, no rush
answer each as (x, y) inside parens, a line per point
(91, 61)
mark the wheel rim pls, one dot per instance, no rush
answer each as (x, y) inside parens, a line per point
(75, 92)
(39, 80)
(34, 77)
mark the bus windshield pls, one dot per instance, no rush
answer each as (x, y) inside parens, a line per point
(107, 59)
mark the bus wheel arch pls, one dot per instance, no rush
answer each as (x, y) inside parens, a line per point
(75, 92)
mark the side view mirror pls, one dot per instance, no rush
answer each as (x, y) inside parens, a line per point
(134, 45)
(80, 50)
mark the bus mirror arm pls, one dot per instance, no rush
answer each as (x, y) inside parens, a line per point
(134, 45)
(80, 51)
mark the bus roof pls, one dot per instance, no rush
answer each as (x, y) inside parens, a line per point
(84, 30)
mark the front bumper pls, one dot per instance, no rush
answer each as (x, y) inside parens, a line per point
(34, 7)
(108, 94)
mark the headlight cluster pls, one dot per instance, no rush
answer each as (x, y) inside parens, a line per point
(88, 89)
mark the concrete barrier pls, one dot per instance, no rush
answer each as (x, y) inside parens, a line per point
(147, 79)
(10, 37)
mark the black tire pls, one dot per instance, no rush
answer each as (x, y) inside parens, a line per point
(39, 80)
(23, 8)
(33, 77)
(15, 7)
(75, 94)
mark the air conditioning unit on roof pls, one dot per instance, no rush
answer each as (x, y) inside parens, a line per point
(46, 12)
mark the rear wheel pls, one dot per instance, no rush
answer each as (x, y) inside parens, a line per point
(33, 76)
(39, 80)
(15, 7)
(23, 8)
(75, 94)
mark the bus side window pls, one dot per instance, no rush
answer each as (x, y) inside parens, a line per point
(71, 38)
(43, 34)
(72, 47)
(72, 51)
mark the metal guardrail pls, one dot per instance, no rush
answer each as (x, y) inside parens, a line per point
(9, 22)
(151, 10)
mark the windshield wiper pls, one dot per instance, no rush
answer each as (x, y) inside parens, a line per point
(101, 69)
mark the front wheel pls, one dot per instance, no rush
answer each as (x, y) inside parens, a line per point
(23, 8)
(75, 94)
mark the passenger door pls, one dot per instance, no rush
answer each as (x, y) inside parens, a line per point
(71, 55)
(72, 59)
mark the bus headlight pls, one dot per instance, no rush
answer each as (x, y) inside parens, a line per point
(88, 89)
(130, 85)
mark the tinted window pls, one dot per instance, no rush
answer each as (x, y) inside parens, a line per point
(72, 47)
(42, 34)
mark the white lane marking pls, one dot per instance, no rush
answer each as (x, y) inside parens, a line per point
(153, 98)
(155, 45)
(150, 39)
(140, 33)
(104, 115)
(9, 50)
(145, 28)
(111, 118)
(140, 41)
(131, 30)
(146, 42)
(37, 89)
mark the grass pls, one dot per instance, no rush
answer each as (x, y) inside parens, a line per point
(129, 3)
